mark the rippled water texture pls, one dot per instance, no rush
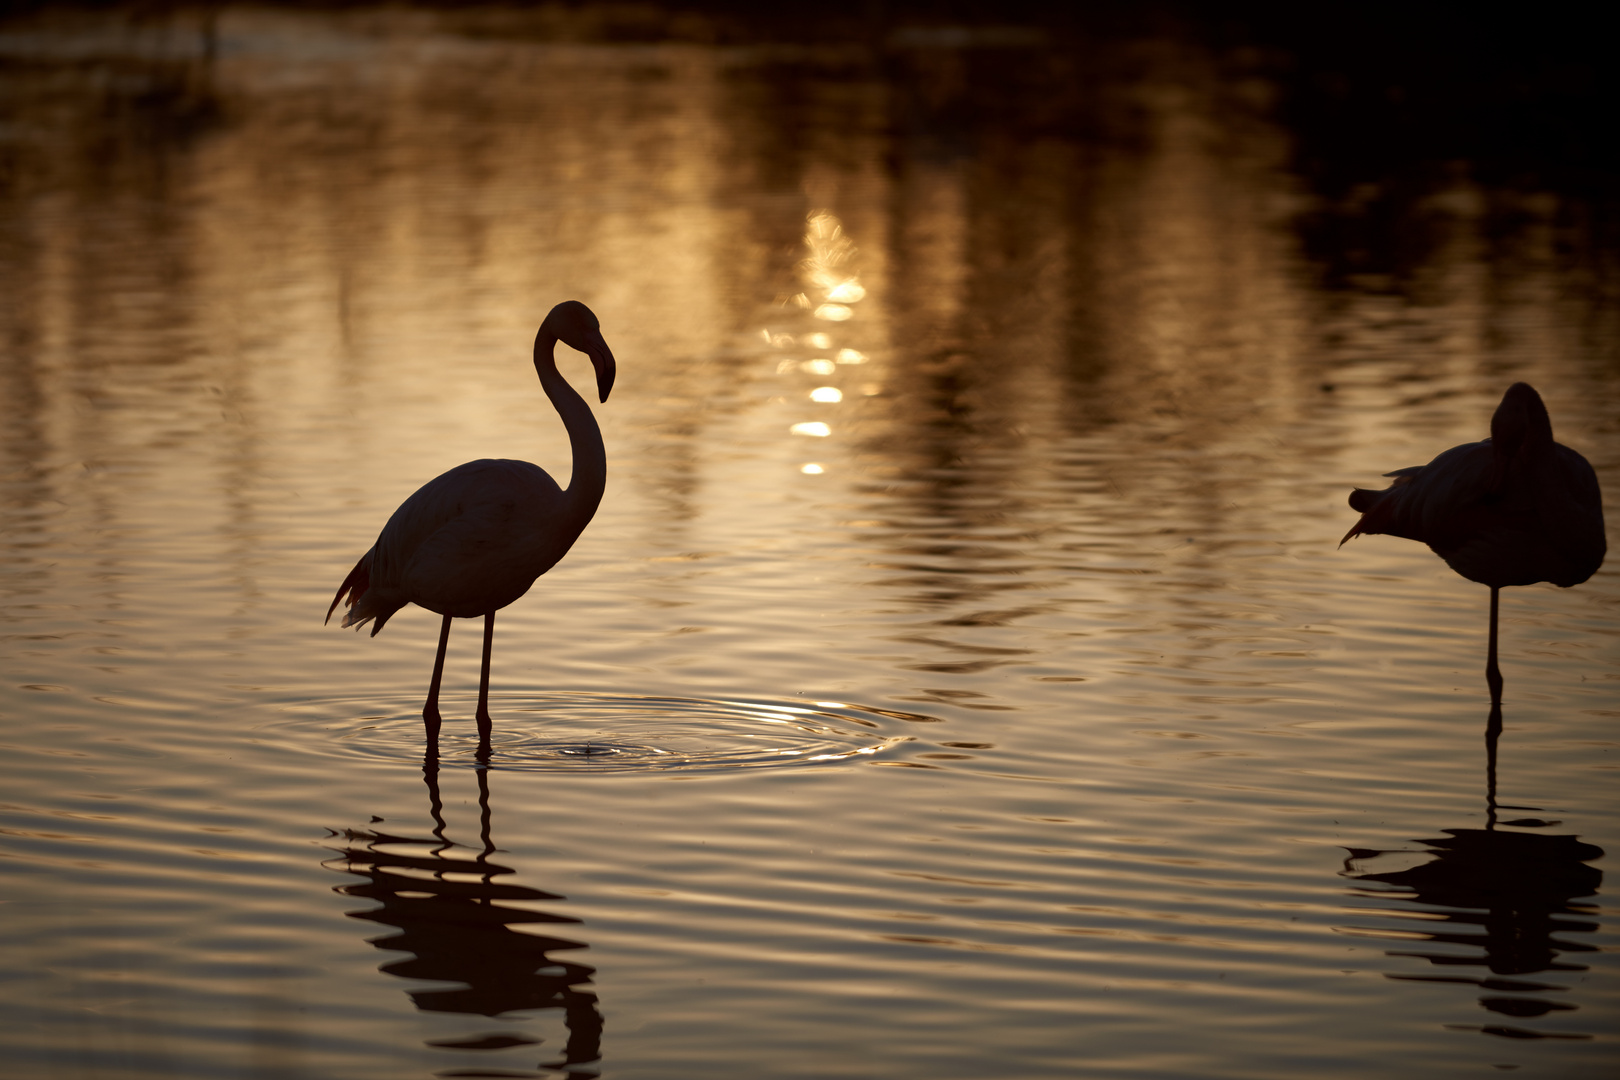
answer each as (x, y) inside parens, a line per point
(960, 677)
(597, 732)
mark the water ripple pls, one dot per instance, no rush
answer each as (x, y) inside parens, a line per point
(577, 731)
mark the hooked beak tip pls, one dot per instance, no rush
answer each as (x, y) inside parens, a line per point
(606, 369)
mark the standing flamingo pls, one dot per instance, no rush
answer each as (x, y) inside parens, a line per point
(1513, 509)
(474, 539)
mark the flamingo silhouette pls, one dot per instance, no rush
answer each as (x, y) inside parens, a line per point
(1513, 509)
(474, 539)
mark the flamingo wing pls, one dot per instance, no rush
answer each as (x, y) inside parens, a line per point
(1428, 503)
(467, 542)
(1570, 505)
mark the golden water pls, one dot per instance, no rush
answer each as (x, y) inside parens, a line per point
(965, 592)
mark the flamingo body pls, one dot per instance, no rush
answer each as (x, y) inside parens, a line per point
(468, 542)
(1513, 509)
(474, 539)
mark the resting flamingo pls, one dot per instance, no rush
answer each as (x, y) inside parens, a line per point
(471, 541)
(1513, 509)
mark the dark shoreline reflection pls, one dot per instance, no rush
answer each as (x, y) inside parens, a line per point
(450, 914)
(1494, 900)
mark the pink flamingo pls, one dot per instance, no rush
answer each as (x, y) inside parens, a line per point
(1513, 509)
(473, 540)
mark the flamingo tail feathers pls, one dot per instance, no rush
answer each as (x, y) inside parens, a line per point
(1378, 507)
(1376, 512)
(355, 585)
(365, 603)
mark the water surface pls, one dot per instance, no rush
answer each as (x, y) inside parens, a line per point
(986, 693)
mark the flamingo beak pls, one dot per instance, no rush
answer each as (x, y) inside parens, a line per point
(602, 360)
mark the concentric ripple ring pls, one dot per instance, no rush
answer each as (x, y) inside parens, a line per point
(579, 732)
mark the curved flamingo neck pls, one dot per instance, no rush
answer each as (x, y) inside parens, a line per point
(589, 479)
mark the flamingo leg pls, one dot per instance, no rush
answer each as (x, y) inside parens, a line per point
(430, 710)
(1493, 731)
(1493, 675)
(483, 685)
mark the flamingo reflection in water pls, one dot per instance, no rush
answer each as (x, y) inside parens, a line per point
(451, 917)
(1513, 509)
(474, 539)
(1494, 899)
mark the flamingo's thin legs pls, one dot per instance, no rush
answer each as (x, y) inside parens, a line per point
(430, 710)
(483, 686)
(1493, 675)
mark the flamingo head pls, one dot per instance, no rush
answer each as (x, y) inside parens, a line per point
(575, 325)
(1519, 424)
(1521, 418)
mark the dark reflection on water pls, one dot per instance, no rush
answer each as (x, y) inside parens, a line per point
(1493, 899)
(462, 925)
